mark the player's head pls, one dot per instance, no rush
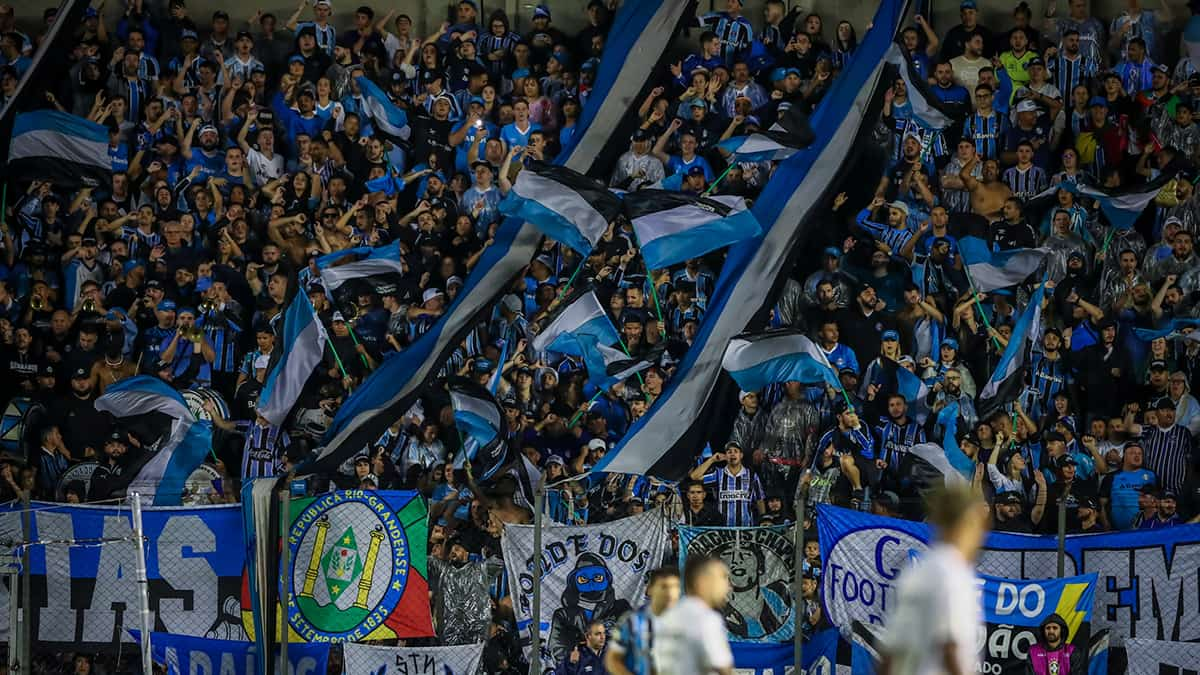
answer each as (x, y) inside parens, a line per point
(662, 588)
(960, 516)
(707, 579)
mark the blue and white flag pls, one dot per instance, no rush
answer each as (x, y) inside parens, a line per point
(389, 120)
(607, 366)
(991, 270)
(755, 361)
(183, 655)
(672, 227)
(582, 316)
(483, 427)
(1121, 206)
(633, 52)
(1009, 378)
(1173, 328)
(59, 147)
(564, 204)
(183, 449)
(928, 112)
(347, 273)
(303, 345)
(664, 441)
(389, 183)
(784, 139)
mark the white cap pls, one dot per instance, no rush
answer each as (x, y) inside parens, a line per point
(743, 394)
(597, 444)
(429, 294)
(1026, 106)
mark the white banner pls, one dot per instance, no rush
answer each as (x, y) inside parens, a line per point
(367, 660)
(590, 572)
(1158, 657)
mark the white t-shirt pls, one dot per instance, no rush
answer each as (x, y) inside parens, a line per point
(690, 639)
(937, 603)
(264, 170)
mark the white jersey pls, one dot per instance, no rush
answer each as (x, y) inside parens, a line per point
(690, 639)
(937, 603)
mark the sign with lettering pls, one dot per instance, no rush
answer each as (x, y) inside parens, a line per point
(368, 660)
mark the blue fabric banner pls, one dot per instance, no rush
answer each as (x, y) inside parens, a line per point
(184, 655)
(84, 590)
(751, 658)
(1146, 584)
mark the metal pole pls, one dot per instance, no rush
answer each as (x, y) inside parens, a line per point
(26, 587)
(1062, 535)
(143, 585)
(798, 583)
(535, 627)
(14, 621)
(285, 507)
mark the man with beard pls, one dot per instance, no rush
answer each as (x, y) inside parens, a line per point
(990, 195)
(588, 598)
(1052, 655)
(117, 467)
(209, 157)
(755, 611)
(75, 413)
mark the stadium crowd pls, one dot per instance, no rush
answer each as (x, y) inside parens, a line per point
(240, 153)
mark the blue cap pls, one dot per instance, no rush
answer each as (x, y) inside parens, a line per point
(890, 336)
(188, 34)
(90, 13)
(131, 265)
(967, 4)
(698, 102)
(479, 100)
(833, 251)
(186, 310)
(520, 72)
(794, 71)
(296, 58)
(166, 306)
(778, 74)
(1098, 100)
(951, 343)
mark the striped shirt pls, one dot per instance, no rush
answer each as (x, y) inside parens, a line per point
(1027, 182)
(223, 336)
(1047, 377)
(1168, 454)
(262, 453)
(487, 43)
(986, 131)
(633, 638)
(326, 35)
(896, 440)
(849, 441)
(895, 238)
(736, 495)
(735, 33)
(1068, 73)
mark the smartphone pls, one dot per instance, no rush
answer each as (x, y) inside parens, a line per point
(478, 124)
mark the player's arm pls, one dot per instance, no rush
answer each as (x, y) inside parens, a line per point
(614, 661)
(950, 659)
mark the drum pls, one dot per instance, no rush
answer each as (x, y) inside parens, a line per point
(203, 486)
(195, 399)
(81, 472)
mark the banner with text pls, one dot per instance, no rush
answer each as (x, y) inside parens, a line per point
(864, 556)
(183, 655)
(589, 573)
(761, 563)
(83, 587)
(368, 660)
(358, 567)
(1156, 657)
(1146, 580)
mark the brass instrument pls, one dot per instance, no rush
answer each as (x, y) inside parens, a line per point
(207, 306)
(195, 334)
(89, 305)
(37, 303)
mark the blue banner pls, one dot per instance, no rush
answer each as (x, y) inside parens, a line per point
(183, 655)
(84, 591)
(863, 556)
(751, 658)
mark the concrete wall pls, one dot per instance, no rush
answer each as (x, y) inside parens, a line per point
(569, 14)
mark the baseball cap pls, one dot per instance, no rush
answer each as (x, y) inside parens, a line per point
(1026, 106)
(166, 306)
(1051, 436)
(188, 34)
(1158, 364)
(80, 374)
(1035, 61)
(951, 343)
(1064, 461)
(337, 316)
(1010, 497)
(1149, 489)
(889, 336)
(640, 134)
(1098, 101)
(430, 294)
(512, 303)
(967, 4)
(541, 11)
(899, 206)
(696, 171)
(1162, 68)
(1164, 403)
(597, 444)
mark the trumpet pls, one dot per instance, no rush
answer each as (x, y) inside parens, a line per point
(89, 305)
(37, 303)
(207, 306)
(193, 334)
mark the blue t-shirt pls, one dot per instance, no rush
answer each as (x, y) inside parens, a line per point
(513, 136)
(1123, 496)
(677, 165)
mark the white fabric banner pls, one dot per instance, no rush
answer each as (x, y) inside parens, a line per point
(590, 572)
(367, 660)
(1155, 657)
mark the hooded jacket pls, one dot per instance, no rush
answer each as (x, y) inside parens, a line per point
(1060, 660)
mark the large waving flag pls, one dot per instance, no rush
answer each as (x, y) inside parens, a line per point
(1172, 328)
(755, 361)
(672, 227)
(607, 366)
(583, 315)
(794, 202)
(483, 427)
(564, 204)
(932, 455)
(346, 273)
(303, 345)
(784, 139)
(389, 120)
(636, 48)
(991, 270)
(59, 147)
(179, 452)
(947, 418)
(930, 115)
(1121, 206)
(1008, 380)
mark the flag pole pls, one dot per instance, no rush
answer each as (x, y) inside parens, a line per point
(720, 178)
(143, 584)
(583, 408)
(578, 268)
(979, 307)
(535, 626)
(662, 326)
